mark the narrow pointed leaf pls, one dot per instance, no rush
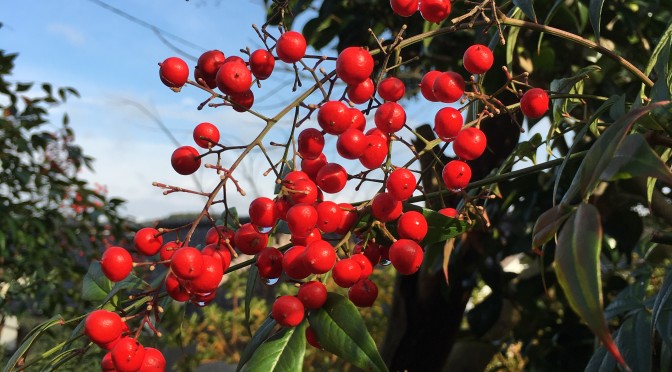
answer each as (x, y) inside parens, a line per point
(663, 300)
(527, 7)
(577, 266)
(283, 351)
(252, 275)
(548, 224)
(340, 330)
(567, 85)
(635, 158)
(664, 40)
(95, 286)
(29, 339)
(596, 16)
(257, 339)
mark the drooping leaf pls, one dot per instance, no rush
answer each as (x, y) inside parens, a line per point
(340, 330)
(283, 351)
(548, 223)
(629, 299)
(569, 85)
(511, 38)
(252, 274)
(527, 7)
(257, 339)
(663, 300)
(651, 182)
(633, 340)
(596, 16)
(29, 340)
(665, 40)
(635, 158)
(662, 87)
(447, 251)
(577, 266)
(95, 286)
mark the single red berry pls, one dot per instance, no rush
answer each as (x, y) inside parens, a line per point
(209, 278)
(448, 123)
(310, 143)
(314, 235)
(427, 85)
(449, 212)
(234, 78)
(351, 144)
(376, 152)
(219, 234)
(311, 167)
(434, 10)
(404, 8)
(209, 63)
(406, 256)
(103, 326)
(534, 103)
(371, 250)
(198, 76)
(148, 241)
(294, 264)
(301, 219)
(236, 59)
(128, 355)
(167, 250)
(412, 225)
(116, 263)
(173, 72)
(154, 361)
(348, 218)
(294, 176)
(361, 92)
(262, 63)
(187, 263)
(320, 257)
(331, 178)
(248, 240)
(385, 207)
(364, 264)
(242, 102)
(356, 119)
(401, 183)
(346, 272)
(312, 294)
(288, 311)
(390, 117)
(106, 364)
(291, 47)
(478, 59)
(311, 338)
(449, 87)
(377, 132)
(220, 253)
(470, 143)
(302, 191)
(269, 263)
(262, 212)
(354, 65)
(334, 117)
(456, 175)
(206, 135)
(363, 293)
(175, 289)
(329, 216)
(185, 160)
(391, 88)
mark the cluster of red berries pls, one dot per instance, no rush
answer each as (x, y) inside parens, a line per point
(431, 10)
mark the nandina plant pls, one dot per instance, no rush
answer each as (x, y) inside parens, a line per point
(429, 207)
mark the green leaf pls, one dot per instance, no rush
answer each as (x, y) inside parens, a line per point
(635, 158)
(29, 339)
(281, 352)
(95, 286)
(651, 182)
(340, 330)
(549, 223)
(511, 39)
(569, 85)
(441, 227)
(596, 16)
(252, 274)
(259, 337)
(22, 87)
(577, 266)
(629, 299)
(634, 341)
(527, 7)
(665, 40)
(663, 300)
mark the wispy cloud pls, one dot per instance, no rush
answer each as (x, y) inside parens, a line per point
(69, 33)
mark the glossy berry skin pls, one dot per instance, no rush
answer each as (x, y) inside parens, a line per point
(312, 294)
(331, 178)
(209, 63)
(362, 91)
(293, 263)
(291, 47)
(447, 123)
(128, 355)
(234, 78)
(470, 143)
(301, 219)
(288, 311)
(311, 167)
(248, 240)
(333, 117)
(148, 241)
(363, 293)
(269, 263)
(116, 263)
(209, 278)
(348, 218)
(390, 117)
(320, 257)
(364, 264)
(478, 59)
(262, 64)
(391, 88)
(106, 364)
(375, 153)
(310, 143)
(262, 212)
(372, 251)
(404, 8)
(356, 119)
(185, 160)
(242, 102)
(385, 207)
(219, 234)
(346, 272)
(449, 87)
(311, 338)
(329, 216)
(314, 235)
(173, 72)
(154, 361)
(187, 263)
(220, 253)
(435, 10)
(354, 65)
(175, 289)
(406, 256)
(456, 175)
(302, 191)
(427, 85)
(401, 184)
(167, 250)
(534, 103)
(103, 326)
(351, 144)
(412, 225)
(449, 212)
(206, 135)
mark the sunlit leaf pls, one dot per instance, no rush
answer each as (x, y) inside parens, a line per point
(635, 158)
(665, 40)
(95, 286)
(29, 339)
(548, 223)
(252, 274)
(283, 351)
(257, 339)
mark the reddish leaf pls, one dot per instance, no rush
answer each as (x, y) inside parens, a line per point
(548, 224)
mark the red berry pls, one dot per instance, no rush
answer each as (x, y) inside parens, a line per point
(356, 119)
(293, 263)
(434, 10)
(175, 289)
(269, 263)
(334, 117)
(173, 72)
(248, 240)
(311, 167)
(329, 216)
(116, 263)
(372, 251)
(391, 88)
(288, 311)
(449, 87)
(354, 65)
(310, 143)
(456, 175)
(291, 47)
(154, 361)
(331, 178)
(236, 59)
(449, 212)
(377, 132)
(406, 256)
(314, 235)
(128, 355)
(187, 263)
(348, 218)
(218, 234)
(107, 365)
(301, 219)
(198, 76)
(167, 250)
(448, 123)
(185, 160)
(401, 183)
(364, 264)
(312, 294)
(534, 103)
(220, 253)
(302, 191)
(351, 144)
(478, 59)
(404, 8)
(375, 153)
(385, 207)
(470, 143)
(148, 241)
(390, 117)
(320, 257)
(346, 272)
(206, 135)
(262, 63)
(209, 63)
(412, 225)
(234, 78)
(209, 278)
(361, 92)
(242, 102)
(262, 212)
(311, 337)
(103, 326)
(363, 293)
(427, 85)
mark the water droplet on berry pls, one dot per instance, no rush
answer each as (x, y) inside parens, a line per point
(264, 230)
(384, 262)
(271, 281)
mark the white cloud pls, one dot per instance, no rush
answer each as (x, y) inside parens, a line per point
(71, 35)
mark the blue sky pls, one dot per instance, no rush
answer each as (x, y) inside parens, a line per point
(112, 61)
